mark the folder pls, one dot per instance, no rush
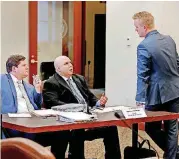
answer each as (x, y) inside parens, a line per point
(76, 117)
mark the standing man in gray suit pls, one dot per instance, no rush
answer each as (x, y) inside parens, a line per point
(158, 81)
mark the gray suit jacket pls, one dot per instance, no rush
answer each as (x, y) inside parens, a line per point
(157, 69)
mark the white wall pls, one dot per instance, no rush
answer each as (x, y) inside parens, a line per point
(120, 58)
(14, 30)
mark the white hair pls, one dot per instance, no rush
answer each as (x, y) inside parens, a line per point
(57, 62)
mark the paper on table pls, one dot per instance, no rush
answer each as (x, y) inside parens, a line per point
(45, 112)
(76, 116)
(19, 115)
(110, 109)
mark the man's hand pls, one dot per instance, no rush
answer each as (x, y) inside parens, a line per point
(103, 100)
(37, 84)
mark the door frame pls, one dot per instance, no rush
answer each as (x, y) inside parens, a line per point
(32, 38)
(77, 37)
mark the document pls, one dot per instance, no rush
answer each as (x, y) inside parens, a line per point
(45, 112)
(110, 109)
(19, 115)
(76, 117)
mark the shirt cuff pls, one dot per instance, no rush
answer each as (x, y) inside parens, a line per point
(140, 102)
(98, 104)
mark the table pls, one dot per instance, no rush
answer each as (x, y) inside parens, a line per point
(39, 124)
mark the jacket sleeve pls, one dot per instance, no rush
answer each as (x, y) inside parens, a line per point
(177, 59)
(143, 72)
(37, 98)
(177, 55)
(50, 95)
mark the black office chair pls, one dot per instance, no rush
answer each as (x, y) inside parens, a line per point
(47, 69)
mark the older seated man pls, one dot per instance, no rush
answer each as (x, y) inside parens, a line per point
(65, 87)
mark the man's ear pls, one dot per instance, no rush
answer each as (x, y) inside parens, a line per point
(58, 68)
(14, 69)
(145, 27)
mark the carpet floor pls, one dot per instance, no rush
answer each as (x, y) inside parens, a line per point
(95, 149)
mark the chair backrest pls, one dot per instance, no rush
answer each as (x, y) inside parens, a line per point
(47, 69)
(22, 148)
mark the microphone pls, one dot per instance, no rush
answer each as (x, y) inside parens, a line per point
(87, 109)
(119, 114)
(88, 71)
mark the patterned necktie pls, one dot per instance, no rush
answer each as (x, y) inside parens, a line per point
(76, 92)
(24, 94)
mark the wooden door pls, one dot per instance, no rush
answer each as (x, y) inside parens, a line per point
(55, 28)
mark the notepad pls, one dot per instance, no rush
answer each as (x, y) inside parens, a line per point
(19, 115)
(76, 117)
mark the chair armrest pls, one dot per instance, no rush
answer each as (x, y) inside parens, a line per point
(23, 148)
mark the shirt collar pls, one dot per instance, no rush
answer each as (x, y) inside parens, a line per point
(15, 80)
(65, 78)
(151, 32)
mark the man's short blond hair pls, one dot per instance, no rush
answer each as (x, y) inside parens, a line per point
(146, 18)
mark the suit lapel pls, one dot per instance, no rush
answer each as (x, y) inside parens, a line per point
(79, 85)
(11, 83)
(77, 82)
(61, 81)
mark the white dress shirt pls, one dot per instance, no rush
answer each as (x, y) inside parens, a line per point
(21, 103)
(65, 78)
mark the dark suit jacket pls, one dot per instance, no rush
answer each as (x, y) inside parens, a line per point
(157, 69)
(57, 92)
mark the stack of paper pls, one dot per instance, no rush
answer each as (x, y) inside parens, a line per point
(19, 115)
(76, 117)
(45, 112)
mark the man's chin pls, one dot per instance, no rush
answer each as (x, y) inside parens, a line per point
(141, 36)
(25, 75)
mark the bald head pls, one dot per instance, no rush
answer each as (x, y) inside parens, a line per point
(59, 60)
(63, 66)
